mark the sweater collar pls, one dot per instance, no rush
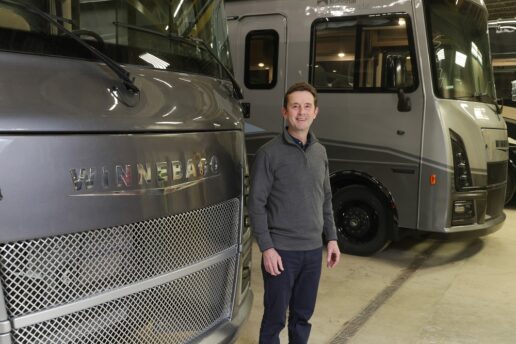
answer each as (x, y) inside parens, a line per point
(311, 139)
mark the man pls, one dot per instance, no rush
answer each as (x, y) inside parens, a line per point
(290, 207)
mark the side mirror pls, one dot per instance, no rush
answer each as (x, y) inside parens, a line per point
(404, 104)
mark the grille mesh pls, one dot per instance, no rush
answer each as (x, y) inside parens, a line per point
(43, 273)
(496, 172)
(176, 312)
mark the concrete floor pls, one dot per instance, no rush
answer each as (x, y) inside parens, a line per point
(418, 291)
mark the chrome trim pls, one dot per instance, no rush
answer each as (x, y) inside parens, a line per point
(59, 311)
(5, 338)
(5, 326)
(3, 308)
(146, 192)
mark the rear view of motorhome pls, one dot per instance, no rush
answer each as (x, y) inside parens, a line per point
(122, 185)
(407, 104)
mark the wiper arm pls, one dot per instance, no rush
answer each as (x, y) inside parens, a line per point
(123, 74)
(468, 97)
(486, 97)
(193, 42)
(482, 97)
(236, 87)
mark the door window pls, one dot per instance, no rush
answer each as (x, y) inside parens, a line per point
(261, 59)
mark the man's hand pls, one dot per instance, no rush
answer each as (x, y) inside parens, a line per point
(272, 262)
(333, 254)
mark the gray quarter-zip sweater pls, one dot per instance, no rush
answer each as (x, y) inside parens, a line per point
(290, 198)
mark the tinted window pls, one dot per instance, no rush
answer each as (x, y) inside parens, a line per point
(367, 53)
(459, 46)
(261, 59)
(128, 32)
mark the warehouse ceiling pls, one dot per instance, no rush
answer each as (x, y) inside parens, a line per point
(501, 9)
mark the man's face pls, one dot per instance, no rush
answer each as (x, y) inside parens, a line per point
(300, 111)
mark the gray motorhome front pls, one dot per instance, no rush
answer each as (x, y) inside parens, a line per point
(122, 176)
(407, 109)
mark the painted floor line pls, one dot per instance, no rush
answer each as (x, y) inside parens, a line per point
(350, 328)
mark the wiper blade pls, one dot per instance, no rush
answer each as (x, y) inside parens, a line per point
(482, 97)
(193, 42)
(236, 87)
(123, 74)
(468, 97)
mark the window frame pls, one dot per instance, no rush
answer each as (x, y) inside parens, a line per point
(248, 37)
(358, 43)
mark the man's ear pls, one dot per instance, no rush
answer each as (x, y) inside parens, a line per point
(316, 112)
(284, 112)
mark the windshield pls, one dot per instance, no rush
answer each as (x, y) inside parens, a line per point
(460, 50)
(125, 30)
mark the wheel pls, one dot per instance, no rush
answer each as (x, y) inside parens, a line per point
(363, 221)
(509, 193)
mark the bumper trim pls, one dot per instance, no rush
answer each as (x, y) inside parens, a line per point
(485, 228)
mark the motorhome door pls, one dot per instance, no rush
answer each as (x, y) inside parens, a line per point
(371, 102)
(261, 72)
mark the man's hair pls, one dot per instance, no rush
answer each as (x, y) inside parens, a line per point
(300, 86)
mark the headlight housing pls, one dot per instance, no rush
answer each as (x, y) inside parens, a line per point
(462, 171)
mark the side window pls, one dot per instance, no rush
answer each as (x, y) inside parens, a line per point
(334, 64)
(370, 53)
(385, 58)
(261, 59)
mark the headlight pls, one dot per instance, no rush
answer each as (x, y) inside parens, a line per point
(461, 167)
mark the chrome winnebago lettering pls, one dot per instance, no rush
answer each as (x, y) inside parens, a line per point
(124, 176)
(83, 177)
(144, 177)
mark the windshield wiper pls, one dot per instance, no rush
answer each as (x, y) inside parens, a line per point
(485, 97)
(123, 74)
(195, 42)
(482, 97)
(468, 97)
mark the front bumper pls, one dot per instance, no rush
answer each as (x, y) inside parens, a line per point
(485, 228)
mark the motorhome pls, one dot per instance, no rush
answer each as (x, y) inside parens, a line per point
(123, 175)
(502, 37)
(407, 105)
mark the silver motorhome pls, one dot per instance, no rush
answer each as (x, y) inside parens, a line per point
(122, 176)
(407, 111)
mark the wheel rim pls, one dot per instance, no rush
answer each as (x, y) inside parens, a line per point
(358, 222)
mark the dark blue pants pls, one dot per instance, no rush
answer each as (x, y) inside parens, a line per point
(296, 289)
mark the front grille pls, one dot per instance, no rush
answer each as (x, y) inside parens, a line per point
(496, 172)
(176, 312)
(43, 273)
(495, 202)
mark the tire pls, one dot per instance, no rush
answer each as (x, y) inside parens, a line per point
(363, 221)
(509, 193)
